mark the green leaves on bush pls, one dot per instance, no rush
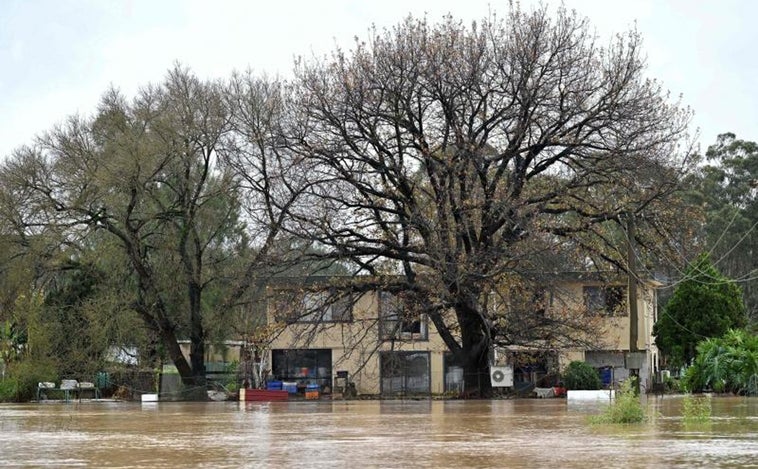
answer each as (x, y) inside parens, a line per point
(21, 381)
(581, 376)
(625, 407)
(725, 364)
(705, 304)
(696, 409)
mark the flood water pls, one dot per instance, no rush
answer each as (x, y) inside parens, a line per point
(546, 433)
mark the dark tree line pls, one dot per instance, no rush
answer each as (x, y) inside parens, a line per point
(727, 190)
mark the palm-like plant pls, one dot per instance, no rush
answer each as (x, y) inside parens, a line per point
(726, 364)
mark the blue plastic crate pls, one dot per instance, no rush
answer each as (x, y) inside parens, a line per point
(274, 386)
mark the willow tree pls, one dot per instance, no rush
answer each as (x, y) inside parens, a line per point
(144, 175)
(446, 152)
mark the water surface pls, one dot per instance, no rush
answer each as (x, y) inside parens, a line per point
(546, 433)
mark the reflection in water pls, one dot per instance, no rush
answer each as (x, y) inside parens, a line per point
(498, 433)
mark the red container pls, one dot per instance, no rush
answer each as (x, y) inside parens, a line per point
(263, 395)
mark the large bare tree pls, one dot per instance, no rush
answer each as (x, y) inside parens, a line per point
(456, 156)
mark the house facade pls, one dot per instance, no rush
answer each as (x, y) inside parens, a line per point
(369, 343)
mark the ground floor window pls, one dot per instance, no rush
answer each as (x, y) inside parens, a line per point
(453, 374)
(610, 365)
(538, 369)
(405, 372)
(303, 366)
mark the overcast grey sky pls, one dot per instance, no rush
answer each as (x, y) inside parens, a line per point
(58, 57)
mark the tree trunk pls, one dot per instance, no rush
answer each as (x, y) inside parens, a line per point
(197, 336)
(475, 354)
(177, 357)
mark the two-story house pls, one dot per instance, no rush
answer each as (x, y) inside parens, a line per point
(372, 341)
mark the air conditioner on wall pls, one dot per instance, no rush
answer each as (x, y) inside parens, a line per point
(501, 376)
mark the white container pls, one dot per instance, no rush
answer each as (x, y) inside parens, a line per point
(589, 396)
(149, 398)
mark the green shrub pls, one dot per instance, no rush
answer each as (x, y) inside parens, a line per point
(8, 390)
(672, 385)
(625, 407)
(231, 384)
(581, 376)
(27, 374)
(696, 409)
(725, 364)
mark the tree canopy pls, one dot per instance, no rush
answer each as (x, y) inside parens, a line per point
(453, 154)
(705, 304)
(727, 190)
(151, 185)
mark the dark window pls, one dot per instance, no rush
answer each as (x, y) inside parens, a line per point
(542, 300)
(532, 300)
(606, 301)
(405, 372)
(398, 321)
(453, 374)
(303, 366)
(313, 307)
(531, 368)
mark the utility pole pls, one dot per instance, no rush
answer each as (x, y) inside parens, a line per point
(632, 271)
(634, 361)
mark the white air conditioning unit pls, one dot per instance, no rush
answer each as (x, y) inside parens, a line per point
(501, 376)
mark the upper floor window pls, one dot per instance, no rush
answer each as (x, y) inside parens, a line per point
(532, 300)
(399, 321)
(607, 301)
(313, 307)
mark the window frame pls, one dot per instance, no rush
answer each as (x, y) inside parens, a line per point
(401, 365)
(284, 365)
(606, 300)
(389, 319)
(312, 307)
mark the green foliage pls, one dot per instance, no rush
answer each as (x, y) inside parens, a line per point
(625, 407)
(12, 341)
(160, 205)
(23, 377)
(230, 384)
(581, 376)
(672, 385)
(706, 304)
(726, 364)
(73, 327)
(727, 191)
(696, 409)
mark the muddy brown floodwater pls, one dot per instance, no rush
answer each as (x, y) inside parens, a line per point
(546, 433)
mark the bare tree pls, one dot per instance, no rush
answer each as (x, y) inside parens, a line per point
(453, 155)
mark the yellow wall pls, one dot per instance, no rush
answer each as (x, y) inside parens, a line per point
(356, 346)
